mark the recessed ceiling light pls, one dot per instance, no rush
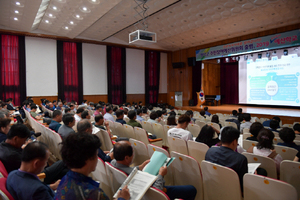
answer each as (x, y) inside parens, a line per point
(84, 8)
(47, 21)
(18, 3)
(78, 16)
(71, 22)
(66, 28)
(50, 15)
(16, 11)
(54, 8)
(15, 19)
(93, 0)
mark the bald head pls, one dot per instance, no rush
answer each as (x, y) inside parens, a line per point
(122, 149)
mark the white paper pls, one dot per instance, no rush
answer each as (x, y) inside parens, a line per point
(252, 167)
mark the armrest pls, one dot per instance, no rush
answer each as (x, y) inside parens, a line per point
(155, 140)
(41, 175)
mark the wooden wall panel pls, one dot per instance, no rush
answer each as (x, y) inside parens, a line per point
(95, 98)
(163, 98)
(211, 78)
(37, 99)
(136, 98)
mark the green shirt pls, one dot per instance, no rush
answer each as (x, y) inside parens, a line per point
(33, 114)
(134, 123)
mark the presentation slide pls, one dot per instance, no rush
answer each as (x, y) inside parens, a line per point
(270, 81)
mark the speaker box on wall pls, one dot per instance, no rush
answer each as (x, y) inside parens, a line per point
(178, 65)
(192, 61)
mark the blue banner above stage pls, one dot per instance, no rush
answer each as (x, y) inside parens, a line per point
(276, 41)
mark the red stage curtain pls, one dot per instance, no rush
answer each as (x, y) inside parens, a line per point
(116, 70)
(152, 72)
(11, 80)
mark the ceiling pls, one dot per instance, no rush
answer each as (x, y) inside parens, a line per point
(178, 24)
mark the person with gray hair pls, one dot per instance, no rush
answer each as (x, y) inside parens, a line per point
(5, 112)
(85, 125)
(2, 115)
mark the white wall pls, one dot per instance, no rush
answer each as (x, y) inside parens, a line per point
(94, 69)
(163, 82)
(135, 71)
(41, 67)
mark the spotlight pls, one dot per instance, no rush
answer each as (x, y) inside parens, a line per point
(259, 55)
(237, 58)
(218, 60)
(274, 52)
(227, 59)
(268, 54)
(246, 57)
(285, 52)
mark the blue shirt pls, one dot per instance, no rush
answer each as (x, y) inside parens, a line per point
(140, 118)
(207, 113)
(121, 121)
(54, 125)
(3, 137)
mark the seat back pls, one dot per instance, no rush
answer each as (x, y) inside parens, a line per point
(166, 128)
(111, 126)
(194, 129)
(140, 152)
(147, 126)
(197, 150)
(261, 188)
(277, 140)
(129, 131)
(158, 130)
(287, 153)
(186, 171)
(104, 138)
(178, 145)
(248, 143)
(119, 130)
(54, 140)
(231, 124)
(115, 176)
(4, 194)
(220, 182)
(141, 135)
(246, 130)
(200, 124)
(156, 194)
(100, 175)
(290, 173)
(267, 163)
(215, 125)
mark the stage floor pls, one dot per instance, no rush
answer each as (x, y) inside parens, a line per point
(288, 115)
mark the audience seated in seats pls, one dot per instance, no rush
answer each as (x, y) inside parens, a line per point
(5, 112)
(125, 109)
(240, 112)
(78, 114)
(91, 106)
(85, 126)
(171, 121)
(55, 122)
(4, 128)
(79, 152)
(254, 130)
(145, 111)
(171, 109)
(59, 106)
(66, 129)
(47, 102)
(139, 114)
(179, 131)
(226, 156)
(98, 110)
(108, 114)
(123, 153)
(296, 128)
(159, 115)
(202, 113)
(288, 136)
(99, 123)
(274, 124)
(206, 111)
(132, 119)
(234, 118)
(265, 147)
(267, 123)
(120, 116)
(51, 106)
(207, 136)
(172, 113)
(153, 116)
(33, 113)
(24, 183)
(215, 119)
(9, 104)
(73, 111)
(164, 112)
(247, 123)
(68, 110)
(190, 114)
(140, 105)
(85, 115)
(54, 104)
(115, 108)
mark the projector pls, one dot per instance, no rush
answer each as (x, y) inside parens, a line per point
(142, 38)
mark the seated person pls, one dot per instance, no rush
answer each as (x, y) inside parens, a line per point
(153, 116)
(267, 123)
(296, 128)
(240, 113)
(179, 131)
(132, 119)
(265, 147)
(274, 124)
(208, 136)
(145, 112)
(254, 130)
(206, 111)
(99, 123)
(98, 110)
(234, 118)
(190, 114)
(171, 121)
(66, 129)
(33, 113)
(226, 156)
(77, 184)
(247, 123)
(215, 119)
(202, 113)
(139, 114)
(120, 116)
(59, 106)
(108, 114)
(288, 136)
(78, 114)
(55, 122)
(85, 115)
(24, 183)
(4, 128)
(123, 153)
(51, 106)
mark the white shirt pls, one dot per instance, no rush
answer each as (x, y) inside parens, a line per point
(108, 116)
(77, 118)
(266, 152)
(245, 125)
(180, 133)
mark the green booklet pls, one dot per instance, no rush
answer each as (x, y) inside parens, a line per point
(157, 161)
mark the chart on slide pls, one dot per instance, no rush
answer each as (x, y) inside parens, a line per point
(274, 81)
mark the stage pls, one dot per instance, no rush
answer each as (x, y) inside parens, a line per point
(287, 115)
